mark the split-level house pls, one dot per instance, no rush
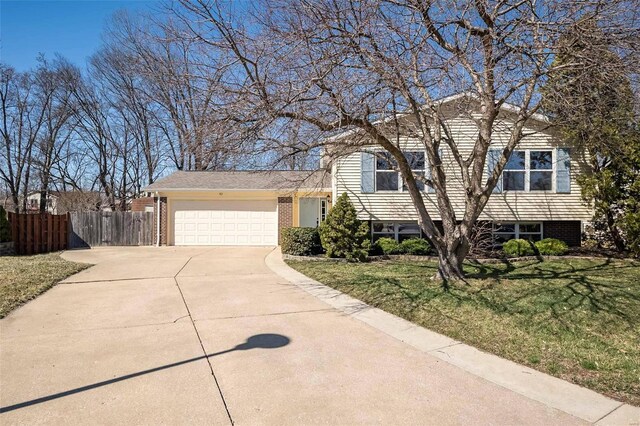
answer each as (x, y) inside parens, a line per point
(537, 196)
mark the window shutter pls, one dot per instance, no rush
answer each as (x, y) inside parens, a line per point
(367, 172)
(493, 156)
(563, 171)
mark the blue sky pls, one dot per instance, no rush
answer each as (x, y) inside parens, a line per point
(69, 27)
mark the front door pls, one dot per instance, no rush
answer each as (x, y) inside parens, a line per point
(312, 211)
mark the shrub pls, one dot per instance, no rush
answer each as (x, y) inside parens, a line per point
(630, 224)
(375, 250)
(5, 228)
(517, 248)
(342, 234)
(551, 247)
(415, 246)
(388, 245)
(301, 241)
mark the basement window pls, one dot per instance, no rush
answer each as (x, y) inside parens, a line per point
(503, 232)
(398, 231)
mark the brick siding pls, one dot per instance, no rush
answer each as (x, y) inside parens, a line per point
(285, 214)
(139, 204)
(163, 220)
(569, 231)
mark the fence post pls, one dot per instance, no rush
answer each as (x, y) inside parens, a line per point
(67, 234)
(13, 218)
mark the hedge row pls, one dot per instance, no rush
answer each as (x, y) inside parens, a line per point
(306, 242)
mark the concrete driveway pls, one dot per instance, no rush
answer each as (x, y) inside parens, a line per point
(212, 336)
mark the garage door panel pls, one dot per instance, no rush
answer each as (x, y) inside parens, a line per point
(225, 222)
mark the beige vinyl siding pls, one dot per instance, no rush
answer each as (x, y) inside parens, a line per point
(508, 205)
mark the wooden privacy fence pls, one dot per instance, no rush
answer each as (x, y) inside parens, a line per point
(38, 233)
(102, 228)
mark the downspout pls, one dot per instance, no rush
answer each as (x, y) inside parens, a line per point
(158, 221)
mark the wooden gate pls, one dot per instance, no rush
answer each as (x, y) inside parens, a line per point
(90, 229)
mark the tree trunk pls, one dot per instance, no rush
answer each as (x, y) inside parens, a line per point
(43, 201)
(15, 198)
(615, 232)
(451, 255)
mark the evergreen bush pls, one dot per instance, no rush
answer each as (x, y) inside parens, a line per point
(342, 234)
(5, 227)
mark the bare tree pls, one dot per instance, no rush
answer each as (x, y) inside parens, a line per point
(183, 81)
(104, 137)
(22, 119)
(129, 93)
(54, 82)
(379, 68)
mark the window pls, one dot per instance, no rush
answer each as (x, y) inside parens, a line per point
(407, 230)
(541, 173)
(514, 172)
(416, 162)
(387, 176)
(399, 231)
(383, 229)
(530, 231)
(529, 171)
(503, 232)
(323, 210)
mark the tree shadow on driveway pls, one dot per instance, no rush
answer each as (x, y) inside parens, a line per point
(258, 341)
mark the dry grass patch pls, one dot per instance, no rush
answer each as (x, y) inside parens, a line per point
(26, 277)
(576, 319)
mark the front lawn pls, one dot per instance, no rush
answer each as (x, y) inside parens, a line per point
(23, 278)
(576, 319)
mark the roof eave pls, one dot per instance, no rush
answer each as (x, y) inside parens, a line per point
(321, 189)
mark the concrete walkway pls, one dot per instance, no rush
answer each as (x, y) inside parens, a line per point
(213, 336)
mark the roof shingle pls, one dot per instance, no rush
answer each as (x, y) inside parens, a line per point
(278, 180)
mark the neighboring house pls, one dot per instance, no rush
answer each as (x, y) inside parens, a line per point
(60, 202)
(33, 202)
(537, 197)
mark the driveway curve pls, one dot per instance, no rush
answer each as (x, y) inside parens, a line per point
(210, 335)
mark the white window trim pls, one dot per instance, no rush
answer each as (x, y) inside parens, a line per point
(517, 228)
(400, 178)
(396, 230)
(527, 171)
(322, 205)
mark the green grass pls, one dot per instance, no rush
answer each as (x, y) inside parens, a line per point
(576, 319)
(25, 277)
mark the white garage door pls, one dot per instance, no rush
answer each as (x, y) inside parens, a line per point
(233, 223)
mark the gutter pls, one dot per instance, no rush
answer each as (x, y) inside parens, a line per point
(326, 189)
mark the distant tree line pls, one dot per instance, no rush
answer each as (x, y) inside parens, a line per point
(148, 102)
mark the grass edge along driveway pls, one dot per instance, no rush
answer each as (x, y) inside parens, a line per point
(577, 319)
(23, 278)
